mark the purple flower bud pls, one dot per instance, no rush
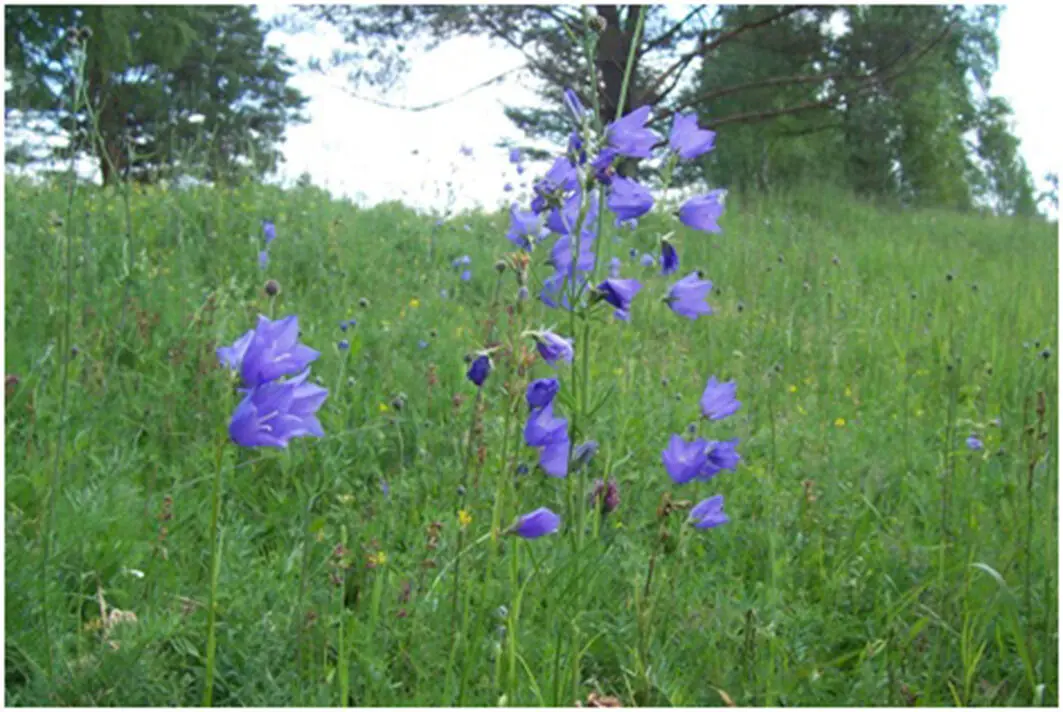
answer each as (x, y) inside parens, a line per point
(669, 258)
(553, 347)
(479, 370)
(541, 392)
(269, 230)
(575, 108)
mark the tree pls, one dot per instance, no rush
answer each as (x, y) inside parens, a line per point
(670, 52)
(880, 99)
(166, 87)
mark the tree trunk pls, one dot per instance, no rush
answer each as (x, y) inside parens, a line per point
(109, 128)
(613, 47)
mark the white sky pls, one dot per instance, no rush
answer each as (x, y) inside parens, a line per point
(364, 151)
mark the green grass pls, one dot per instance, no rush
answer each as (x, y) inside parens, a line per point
(860, 376)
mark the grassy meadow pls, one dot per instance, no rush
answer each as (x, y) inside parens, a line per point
(872, 557)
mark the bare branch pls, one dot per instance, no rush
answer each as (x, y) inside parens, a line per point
(434, 104)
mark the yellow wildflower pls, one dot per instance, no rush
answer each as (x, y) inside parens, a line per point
(383, 408)
(414, 303)
(464, 518)
(793, 388)
(378, 559)
(839, 423)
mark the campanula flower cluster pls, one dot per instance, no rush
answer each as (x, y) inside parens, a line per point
(702, 459)
(269, 232)
(279, 403)
(596, 175)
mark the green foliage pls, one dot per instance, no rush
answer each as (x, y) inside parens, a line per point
(147, 72)
(910, 130)
(828, 588)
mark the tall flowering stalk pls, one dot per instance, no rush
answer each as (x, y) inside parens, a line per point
(566, 218)
(278, 405)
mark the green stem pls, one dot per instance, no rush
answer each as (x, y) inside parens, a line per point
(215, 566)
(64, 355)
(341, 646)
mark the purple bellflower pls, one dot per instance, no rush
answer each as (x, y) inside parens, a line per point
(708, 513)
(629, 135)
(269, 231)
(718, 400)
(274, 351)
(684, 461)
(525, 228)
(273, 413)
(233, 356)
(687, 296)
(687, 140)
(541, 392)
(701, 212)
(619, 293)
(721, 456)
(543, 428)
(553, 348)
(536, 524)
(627, 199)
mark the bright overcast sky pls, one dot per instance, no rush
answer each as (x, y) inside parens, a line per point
(365, 151)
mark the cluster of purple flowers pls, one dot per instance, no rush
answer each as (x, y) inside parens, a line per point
(544, 430)
(463, 262)
(269, 231)
(703, 459)
(279, 404)
(558, 207)
(565, 204)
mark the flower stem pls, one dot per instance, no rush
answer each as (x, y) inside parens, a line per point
(215, 566)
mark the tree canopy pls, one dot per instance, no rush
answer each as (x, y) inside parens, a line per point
(166, 89)
(890, 101)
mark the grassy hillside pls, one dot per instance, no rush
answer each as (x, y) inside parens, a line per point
(872, 557)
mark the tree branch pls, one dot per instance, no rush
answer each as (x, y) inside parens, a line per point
(665, 37)
(680, 65)
(731, 34)
(880, 73)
